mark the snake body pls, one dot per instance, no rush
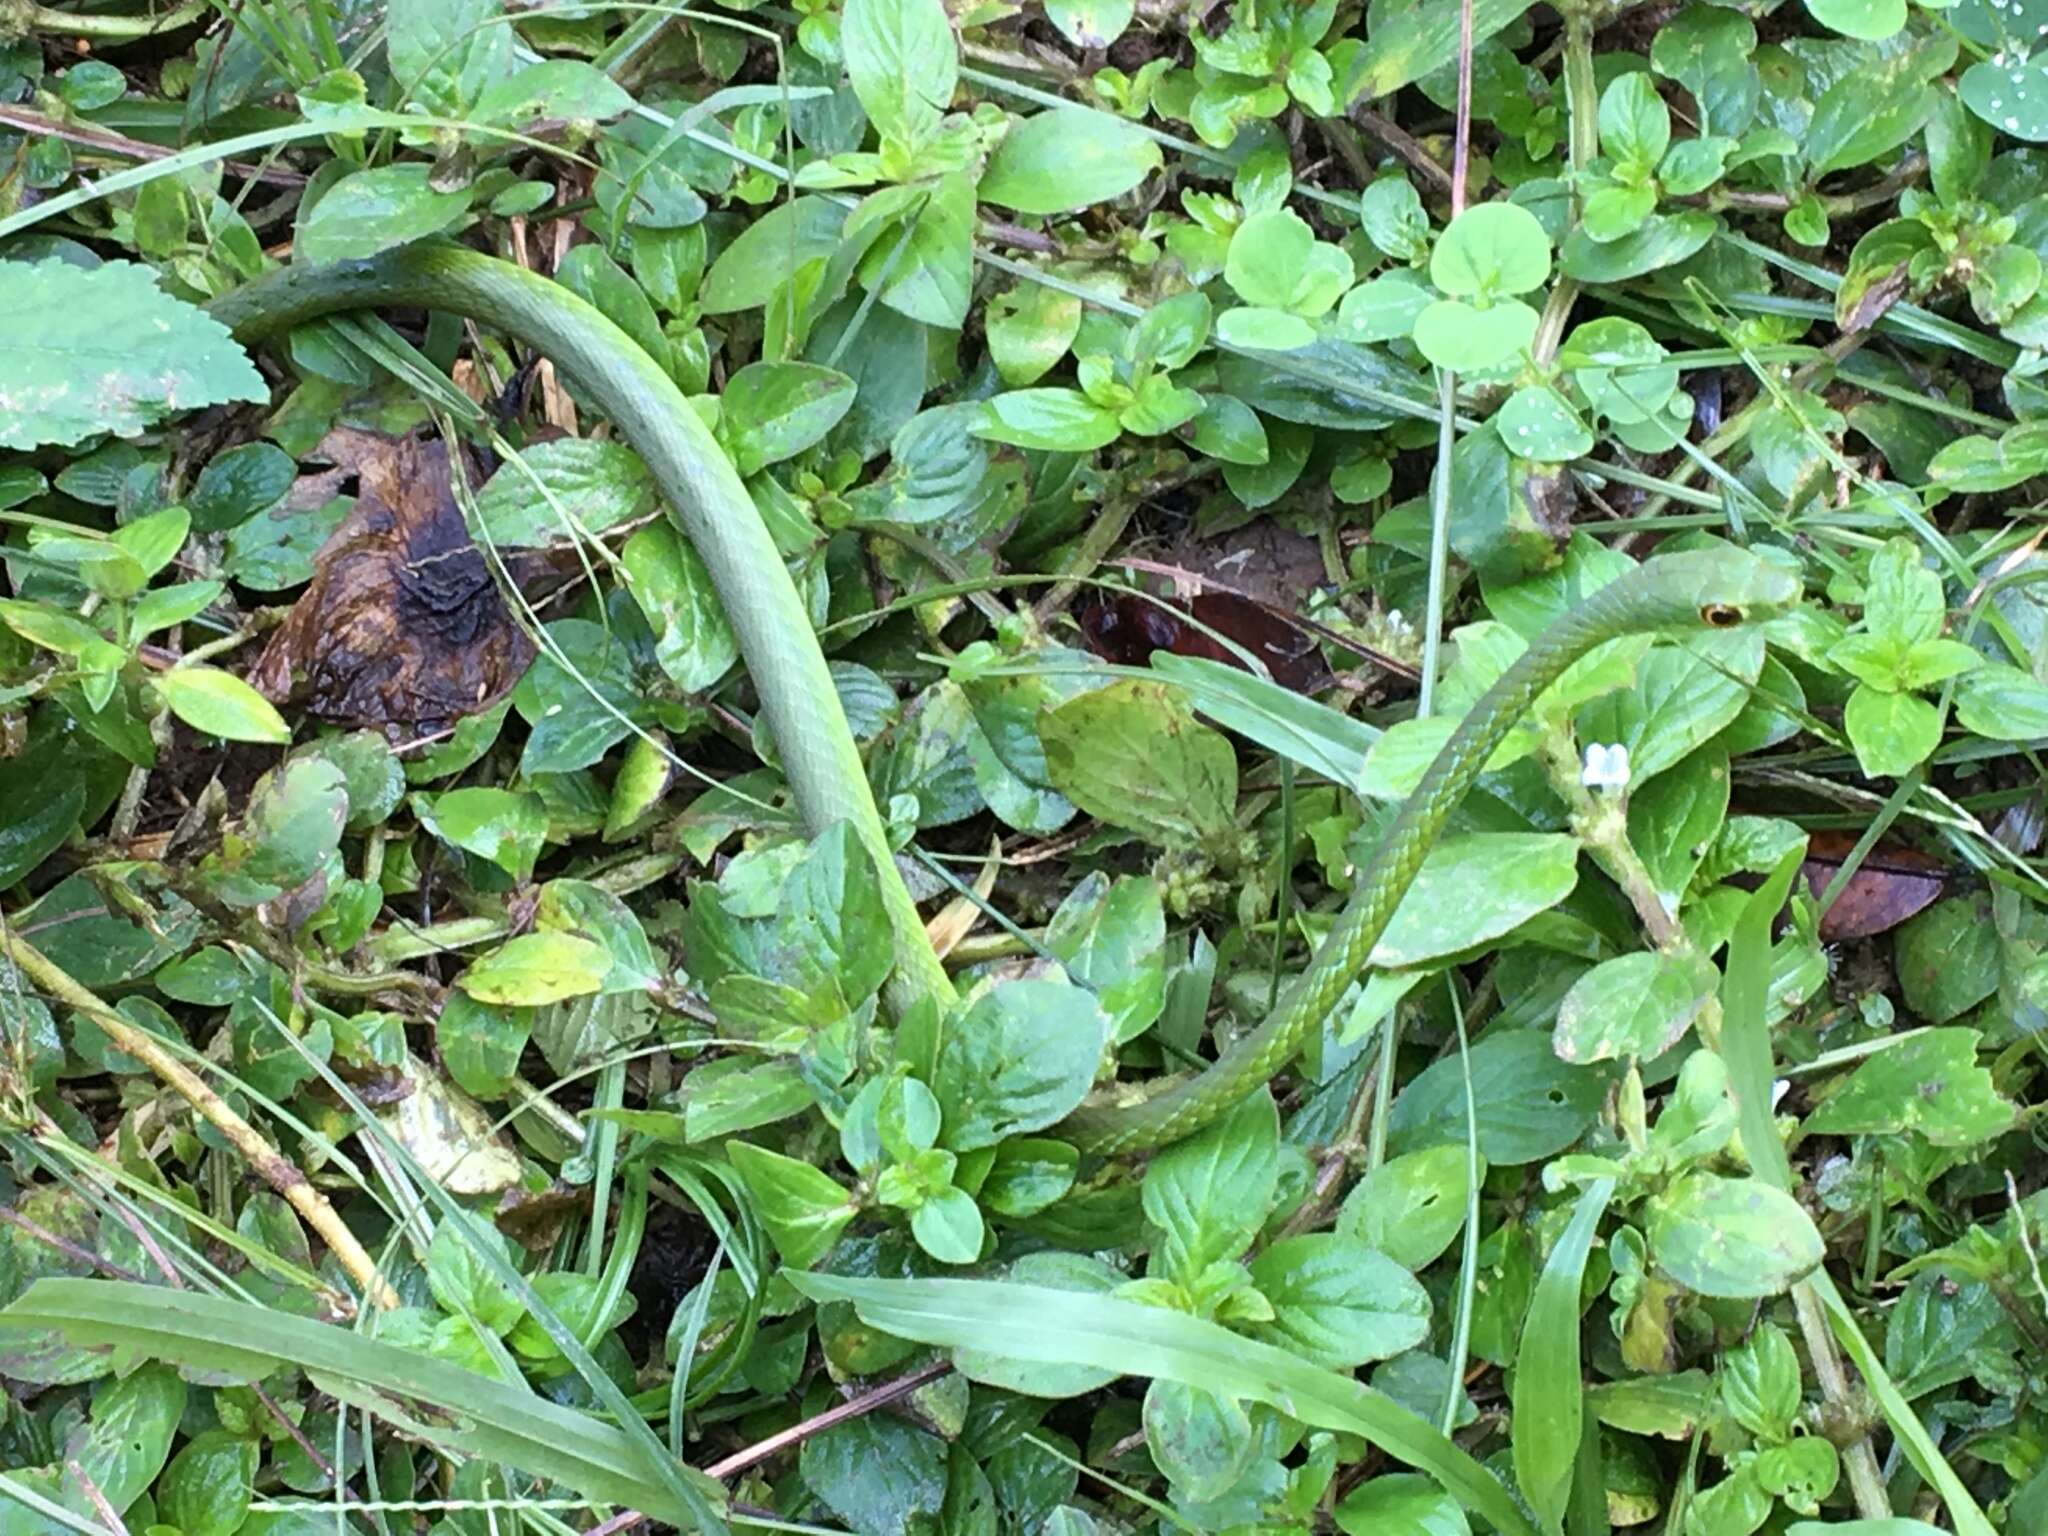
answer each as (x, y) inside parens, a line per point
(818, 752)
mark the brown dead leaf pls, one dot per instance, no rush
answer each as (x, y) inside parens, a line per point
(1888, 887)
(402, 627)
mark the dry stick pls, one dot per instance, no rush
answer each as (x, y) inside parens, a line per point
(107, 1513)
(275, 1169)
(130, 149)
(1866, 1479)
(852, 1408)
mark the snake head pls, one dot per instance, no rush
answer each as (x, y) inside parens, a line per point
(1719, 589)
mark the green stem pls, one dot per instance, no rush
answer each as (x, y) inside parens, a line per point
(110, 29)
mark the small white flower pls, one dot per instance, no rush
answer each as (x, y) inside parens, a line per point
(1606, 767)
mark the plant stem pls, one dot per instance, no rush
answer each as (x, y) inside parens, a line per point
(1866, 1481)
(275, 1169)
(110, 29)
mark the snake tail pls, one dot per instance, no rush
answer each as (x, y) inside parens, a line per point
(705, 495)
(1695, 590)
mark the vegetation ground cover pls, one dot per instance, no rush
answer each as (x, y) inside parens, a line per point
(663, 668)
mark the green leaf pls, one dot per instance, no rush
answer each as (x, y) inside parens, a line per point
(480, 1043)
(1736, 1238)
(1020, 1059)
(1759, 1381)
(773, 411)
(1201, 1440)
(64, 383)
(374, 210)
(1111, 937)
(1411, 1207)
(238, 484)
(802, 1208)
(1337, 1302)
(1032, 1323)
(948, 1227)
(1468, 339)
(1635, 125)
(1476, 888)
(1090, 23)
(2003, 703)
(564, 489)
(445, 54)
(536, 968)
(1682, 697)
(1871, 20)
(1530, 1105)
(207, 1488)
(1492, 250)
(1412, 40)
(693, 640)
(1893, 733)
(499, 825)
(2011, 96)
(902, 59)
(1208, 1195)
(833, 906)
(1132, 755)
(1400, 1504)
(1549, 1391)
(221, 704)
(1539, 423)
(553, 88)
(1633, 1007)
(1872, 110)
(1068, 158)
(1275, 262)
(1051, 420)
(1030, 327)
(1929, 1084)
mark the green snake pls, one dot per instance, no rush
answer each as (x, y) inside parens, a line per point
(1696, 590)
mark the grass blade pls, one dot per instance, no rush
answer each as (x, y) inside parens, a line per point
(455, 1409)
(1029, 1322)
(1549, 1399)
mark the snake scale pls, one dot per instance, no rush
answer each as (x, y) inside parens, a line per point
(1694, 590)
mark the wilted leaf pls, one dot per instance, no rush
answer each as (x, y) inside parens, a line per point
(1891, 884)
(403, 626)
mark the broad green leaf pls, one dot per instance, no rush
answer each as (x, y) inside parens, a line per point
(445, 54)
(222, 705)
(1489, 251)
(1313, 735)
(562, 490)
(1400, 1504)
(1410, 41)
(773, 411)
(1111, 937)
(64, 384)
(480, 1043)
(1090, 23)
(1052, 420)
(1873, 20)
(1929, 1084)
(1131, 755)
(536, 968)
(1201, 1440)
(374, 210)
(1733, 1237)
(1068, 158)
(1633, 1007)
(1475, 888)
(500, 825)
(902, 59)
(1033, 1323)
(1337, 1302)
(1411, 1207)
(553, 88)
(1530, 1105)
(1029, 330)
(1020, 1058)
(1208, 1195)
(1893, 733)
(693, 640)
(879, 1474)
(802, 1208)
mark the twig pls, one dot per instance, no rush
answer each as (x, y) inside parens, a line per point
(1020, 237)
(107, 29)
(109, 1516)
(1402, 143)
(276, 1170)
(852, 1408)
(133, 149)
(65, 1246)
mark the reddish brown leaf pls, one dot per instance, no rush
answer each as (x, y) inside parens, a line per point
(1129, 628)
(1888, 887)
(402, 627)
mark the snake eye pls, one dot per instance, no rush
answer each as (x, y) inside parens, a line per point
(1720, 616)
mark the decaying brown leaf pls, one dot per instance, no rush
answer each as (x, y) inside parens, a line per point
(402, 628)
(1888, 887)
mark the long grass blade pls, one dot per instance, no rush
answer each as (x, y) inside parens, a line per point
(1029, 1322)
